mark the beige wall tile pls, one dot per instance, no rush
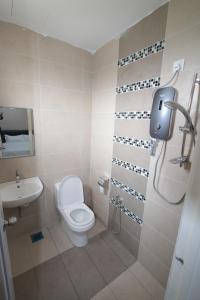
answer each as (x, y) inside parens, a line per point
(182, 15)
(105, 78)
(162, 219)
(129, 201)
(134, 155)
(64, 53)
(18, 94)
(106, 55)
(101, 151)
(27, 166)
(61, 121)
(137, 101)
(132, 128)
(18, 40)
(102, 124)
(61, 99)
(59, 75)
(149, 30)
(190, 38)
(103, 101)
(154, 197)
(130, 178)
(18, 67)
(140, 70)
(132, 227)
(54, 163)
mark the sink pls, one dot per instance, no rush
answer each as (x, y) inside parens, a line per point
(20, 194)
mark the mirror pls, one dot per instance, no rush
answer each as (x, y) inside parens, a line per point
(16, 132)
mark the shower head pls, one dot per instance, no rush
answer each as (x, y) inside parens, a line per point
(176, 106)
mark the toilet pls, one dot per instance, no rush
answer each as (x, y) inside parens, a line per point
(76, 217)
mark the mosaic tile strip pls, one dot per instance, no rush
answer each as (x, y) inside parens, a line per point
(138, 170)
(140, 85)
(132, 142)
(133, 115)
(127, 189)
(155, 48)
(127, 212)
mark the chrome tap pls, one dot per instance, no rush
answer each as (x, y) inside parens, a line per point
(17, 177)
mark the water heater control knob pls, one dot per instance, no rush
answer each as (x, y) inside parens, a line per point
(158, 126)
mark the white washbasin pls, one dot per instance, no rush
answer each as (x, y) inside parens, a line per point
(19, 194)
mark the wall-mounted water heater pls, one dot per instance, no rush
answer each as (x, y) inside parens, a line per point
(162, 118)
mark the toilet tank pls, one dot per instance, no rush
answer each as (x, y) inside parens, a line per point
(69, 190)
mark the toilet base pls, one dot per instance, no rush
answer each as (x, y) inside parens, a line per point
(78, 239)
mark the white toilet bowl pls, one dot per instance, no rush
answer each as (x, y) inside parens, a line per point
(76, 217)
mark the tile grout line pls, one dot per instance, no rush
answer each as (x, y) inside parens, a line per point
(117, 253)
(70, 279)
(97, 266)
(142, 284)
(90, 258)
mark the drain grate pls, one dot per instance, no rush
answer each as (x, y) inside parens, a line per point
(36, 237)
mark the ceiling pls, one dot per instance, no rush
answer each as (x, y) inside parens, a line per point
(87, 24)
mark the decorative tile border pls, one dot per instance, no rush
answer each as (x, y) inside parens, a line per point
(127, 189)
(155, 48)
(138, 170)
(132, 142)
(127, 212)
(140, 85)
(133, 115)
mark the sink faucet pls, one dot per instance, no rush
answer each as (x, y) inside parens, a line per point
(17, 177)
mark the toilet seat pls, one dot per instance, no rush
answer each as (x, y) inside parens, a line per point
(78, 216)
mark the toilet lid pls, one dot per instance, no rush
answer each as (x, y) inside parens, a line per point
(70, 191)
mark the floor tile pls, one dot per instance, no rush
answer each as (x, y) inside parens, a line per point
(97, 229)
(127, 287)
(148, 281)
(83, 273)
(26, 286)
(20, 256)
(60, 238)
(127, 258)
(106, 261)
(105, 294)
(43, 250)
(53, 281)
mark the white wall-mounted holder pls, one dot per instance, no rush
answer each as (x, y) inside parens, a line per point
(103, 183)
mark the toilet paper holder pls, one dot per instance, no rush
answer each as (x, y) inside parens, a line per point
(103, 182)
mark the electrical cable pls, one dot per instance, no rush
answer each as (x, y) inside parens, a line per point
(155, 175)
(174, 75)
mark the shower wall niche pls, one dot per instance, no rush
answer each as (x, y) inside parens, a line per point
(139, 67)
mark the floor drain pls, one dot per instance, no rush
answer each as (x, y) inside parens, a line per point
(36, 237)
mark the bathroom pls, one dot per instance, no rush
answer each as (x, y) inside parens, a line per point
(79, 95)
